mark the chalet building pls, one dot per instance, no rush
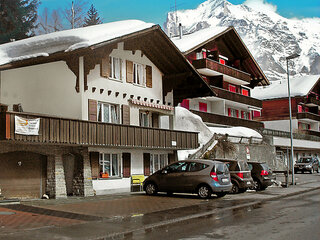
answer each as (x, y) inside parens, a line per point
(224, 61)
(305, 105)
(83, 110)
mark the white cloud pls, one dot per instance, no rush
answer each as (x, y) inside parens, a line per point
(261, 5)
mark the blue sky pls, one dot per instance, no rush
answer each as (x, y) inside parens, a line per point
(155, 10)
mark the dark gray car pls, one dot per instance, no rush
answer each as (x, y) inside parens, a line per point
(307, 164)
(203, 177)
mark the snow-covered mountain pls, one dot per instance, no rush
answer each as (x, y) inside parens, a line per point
(269, 36)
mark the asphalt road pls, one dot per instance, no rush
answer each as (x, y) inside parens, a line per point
(292, 218)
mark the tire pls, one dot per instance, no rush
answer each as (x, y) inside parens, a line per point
(151, 189)
(258, 185)
(221, 194)
(242, 190)
(204, 192)
(235, 188)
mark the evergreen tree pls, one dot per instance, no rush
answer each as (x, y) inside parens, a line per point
(17, 19)
(92, 17)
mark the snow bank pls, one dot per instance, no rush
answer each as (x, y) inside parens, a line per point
(299, 86)
(68, 40)
(188, 121)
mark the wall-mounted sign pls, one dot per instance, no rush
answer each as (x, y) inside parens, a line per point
(26, 126)
(173, 143)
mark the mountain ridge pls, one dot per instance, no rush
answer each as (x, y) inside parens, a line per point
(269, 36)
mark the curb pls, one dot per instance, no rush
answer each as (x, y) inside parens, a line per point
(147, 227)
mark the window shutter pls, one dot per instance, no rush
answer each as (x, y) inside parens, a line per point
(185, 103)
(126, 114)
(242, 114)
(229, 112)
(129, 66)
(105, 67)
(237, 113)
(94, 160)
(146, 164)
(126, 160)
(149, 76)
(92, 110)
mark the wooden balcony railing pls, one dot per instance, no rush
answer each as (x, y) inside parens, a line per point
(308, 115)
(226, 120)
(236, 97)
(224, 69)
(54, 130)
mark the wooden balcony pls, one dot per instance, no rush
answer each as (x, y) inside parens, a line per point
(312, 101)
(229, 121)
(224, 69)
(236, 97)
(63, 131)
(308, 115)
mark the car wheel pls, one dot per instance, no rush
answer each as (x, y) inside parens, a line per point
(258, 186)
(235, 188)
(151, 189)
(204, 191)
(242, 190)
(221, 194)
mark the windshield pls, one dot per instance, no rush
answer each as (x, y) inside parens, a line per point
(305, 160)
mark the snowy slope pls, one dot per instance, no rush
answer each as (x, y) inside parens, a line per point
(269, 36)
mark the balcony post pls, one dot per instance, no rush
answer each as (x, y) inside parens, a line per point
(87, 175)
(56, 183)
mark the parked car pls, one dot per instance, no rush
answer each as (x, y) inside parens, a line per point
(261, 174)
(307, 164)
(240, 175)
(203, 177)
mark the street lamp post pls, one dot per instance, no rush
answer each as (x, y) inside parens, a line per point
(295, 55)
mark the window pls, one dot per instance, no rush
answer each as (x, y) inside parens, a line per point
(304, 126)
(177, 167)
(115, 68)
(233, 112)
(202, 107)
(109, 165)
(194, 167)
(299, 108)
(157, 162)
(232, 88)
(145, 119)
(138, 74)
(245, 92)
(108, 113)
(245, 115)
(256, 113)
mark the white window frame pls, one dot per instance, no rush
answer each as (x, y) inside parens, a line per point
(139, 74)
(104, 162)
(102, 106)
(113, 71)
(233, 112)
(158, 164)
(246, 115)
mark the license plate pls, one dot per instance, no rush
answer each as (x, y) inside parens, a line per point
(225, 180)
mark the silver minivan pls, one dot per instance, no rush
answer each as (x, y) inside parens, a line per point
(204, 177)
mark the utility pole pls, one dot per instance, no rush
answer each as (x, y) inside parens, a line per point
(72, 20)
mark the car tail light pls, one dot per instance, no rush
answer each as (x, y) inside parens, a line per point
(240, 175)
(264, 173)
(214, 176)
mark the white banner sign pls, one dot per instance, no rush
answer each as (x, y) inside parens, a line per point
(27, 126)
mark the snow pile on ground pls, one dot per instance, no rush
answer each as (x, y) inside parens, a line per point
(188, 121)
(68, 40)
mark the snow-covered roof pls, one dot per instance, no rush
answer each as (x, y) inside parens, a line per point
(68, 40)
(190, 41)
(299, 86)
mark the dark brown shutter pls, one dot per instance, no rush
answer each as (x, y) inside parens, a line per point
(129, 66)
(95, 168)
(155, 120)
(126, 163)
(92, 110)
(105, 67)
(172, 157)
(126, 114)
(146, 164)
(149, 76)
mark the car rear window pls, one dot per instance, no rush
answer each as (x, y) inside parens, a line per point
(194, 166)
(304, 160)
(242, 166)
(220, 167)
